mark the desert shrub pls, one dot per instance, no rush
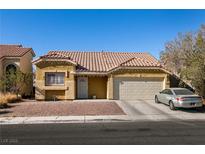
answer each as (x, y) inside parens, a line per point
(3, 101)
(12, 98)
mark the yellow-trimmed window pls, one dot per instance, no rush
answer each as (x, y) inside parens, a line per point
(54, 78)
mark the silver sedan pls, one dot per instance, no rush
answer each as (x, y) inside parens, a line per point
(179, 97)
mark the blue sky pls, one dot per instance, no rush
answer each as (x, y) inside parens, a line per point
(96, 30)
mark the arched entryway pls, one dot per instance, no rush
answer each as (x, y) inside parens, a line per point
(10, 77)
(11, 68)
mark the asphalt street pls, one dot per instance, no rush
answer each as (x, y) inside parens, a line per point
(141, 132)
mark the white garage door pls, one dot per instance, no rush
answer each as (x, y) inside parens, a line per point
(137, 88)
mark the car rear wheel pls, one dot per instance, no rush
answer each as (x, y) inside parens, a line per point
(171, 105)
(156, 99)
(200, 109)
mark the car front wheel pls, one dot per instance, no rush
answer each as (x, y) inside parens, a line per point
(156, 99)
(171, 105)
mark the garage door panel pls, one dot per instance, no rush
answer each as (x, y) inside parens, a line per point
(136, 88)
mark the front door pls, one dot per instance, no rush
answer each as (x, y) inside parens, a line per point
(82, 85)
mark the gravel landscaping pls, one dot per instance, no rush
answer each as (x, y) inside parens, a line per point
(31, 109)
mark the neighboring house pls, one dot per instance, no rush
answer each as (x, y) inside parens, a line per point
(16, 57)
(101, 75)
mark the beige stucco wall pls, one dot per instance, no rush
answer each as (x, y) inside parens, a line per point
(25, 63)
(70, 82)
(59, 94)
(97, 86)
(26, 67)
(68, 87)
(138, 74)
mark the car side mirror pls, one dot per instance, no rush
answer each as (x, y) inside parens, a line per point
(160, 92)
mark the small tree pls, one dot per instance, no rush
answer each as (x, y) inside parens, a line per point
(185, 56)
(195, 66)
(15, 81)
(2, 84)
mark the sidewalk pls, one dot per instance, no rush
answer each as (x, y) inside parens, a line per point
(93, 119)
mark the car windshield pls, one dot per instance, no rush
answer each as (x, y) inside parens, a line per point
(183, 92)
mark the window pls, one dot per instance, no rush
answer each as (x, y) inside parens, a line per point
(164, 91)
(167, 91)
(55, 78)
(183, 92)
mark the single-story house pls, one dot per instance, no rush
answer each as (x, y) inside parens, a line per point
(102, 75)
(16, 57)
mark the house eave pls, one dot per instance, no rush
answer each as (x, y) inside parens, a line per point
(90, 73)
(139, 68)
(122, 67)
(36, 61)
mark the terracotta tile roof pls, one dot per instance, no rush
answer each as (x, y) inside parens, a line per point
(105, 61)
(13, 50)
(136, 61)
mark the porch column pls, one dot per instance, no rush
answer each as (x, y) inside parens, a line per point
(166, 82)
(71, 87)
(110, 87)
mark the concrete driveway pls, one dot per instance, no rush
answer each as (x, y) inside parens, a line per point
(148, 109)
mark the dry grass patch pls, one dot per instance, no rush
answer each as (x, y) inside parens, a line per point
(8, 98)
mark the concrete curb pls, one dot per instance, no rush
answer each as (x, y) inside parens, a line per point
(62, 119)
(92, 119)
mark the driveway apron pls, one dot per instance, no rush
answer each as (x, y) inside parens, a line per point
(146, 107)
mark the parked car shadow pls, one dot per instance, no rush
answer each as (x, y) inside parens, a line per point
(193, 110)
(5, 112)
(189, 110)
(10, 106)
